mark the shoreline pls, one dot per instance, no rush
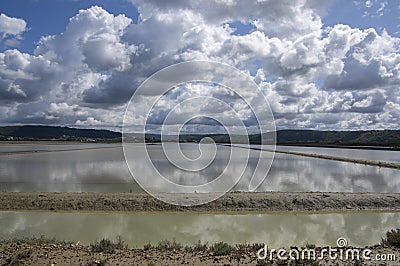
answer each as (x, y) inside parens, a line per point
(49, 151)
(232, 202)
(41, 251)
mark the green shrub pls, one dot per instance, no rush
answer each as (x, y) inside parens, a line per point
(167, 245)
(147, 246)
(107, 246)
(310, 246)
(221, 249)
(34, 240)
(392, 238)
(313, 263)
(202, 247)
(254, 247)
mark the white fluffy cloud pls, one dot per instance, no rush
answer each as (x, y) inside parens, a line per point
(11, 30)
(11, 26)
(314, 76)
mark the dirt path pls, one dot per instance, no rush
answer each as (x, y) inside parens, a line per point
(231, 202)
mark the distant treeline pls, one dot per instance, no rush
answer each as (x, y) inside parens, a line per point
(55, 133)
(390, 138)
(284, 137)
(351, 138)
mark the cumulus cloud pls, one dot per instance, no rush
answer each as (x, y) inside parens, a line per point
(275, 18)
(92, 47)
(90, 121)
(11, 30)
(11, 26)
(314, 76)
(25, 78)
(370, 62)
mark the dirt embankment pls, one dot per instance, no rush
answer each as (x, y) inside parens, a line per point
(230, 202)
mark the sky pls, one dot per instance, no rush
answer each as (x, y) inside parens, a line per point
(321, 64)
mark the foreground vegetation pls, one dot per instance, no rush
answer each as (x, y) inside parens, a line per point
(392, 238)
(43, 251)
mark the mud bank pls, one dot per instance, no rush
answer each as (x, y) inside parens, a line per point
(230, 202)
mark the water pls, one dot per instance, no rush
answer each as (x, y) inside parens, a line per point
(105, 170)
(82, 170)
(138, 229)
(362, 154)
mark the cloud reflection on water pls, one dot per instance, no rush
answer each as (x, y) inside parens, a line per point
(106, 170)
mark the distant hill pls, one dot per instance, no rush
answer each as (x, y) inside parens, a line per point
(305, 137)
(54, 132)
(284, 137)
(368, 137)
(315, 137)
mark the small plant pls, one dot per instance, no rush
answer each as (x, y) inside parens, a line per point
(221, 249)
(147, 246)
(257, 246)
(313, 263)
(120, 244)
(242, 246)
(392, 238)
(167, 245)
(34, 240)
(108, 246)
(310, 246)
(200, 247)
(251, 247)
(105, 245)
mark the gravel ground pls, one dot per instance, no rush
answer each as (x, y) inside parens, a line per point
(27, 253)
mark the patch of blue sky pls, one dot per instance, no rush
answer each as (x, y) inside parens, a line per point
(49, 17)
(378, 14)
(241, 28)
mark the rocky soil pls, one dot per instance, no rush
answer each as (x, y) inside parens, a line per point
(29, 253)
